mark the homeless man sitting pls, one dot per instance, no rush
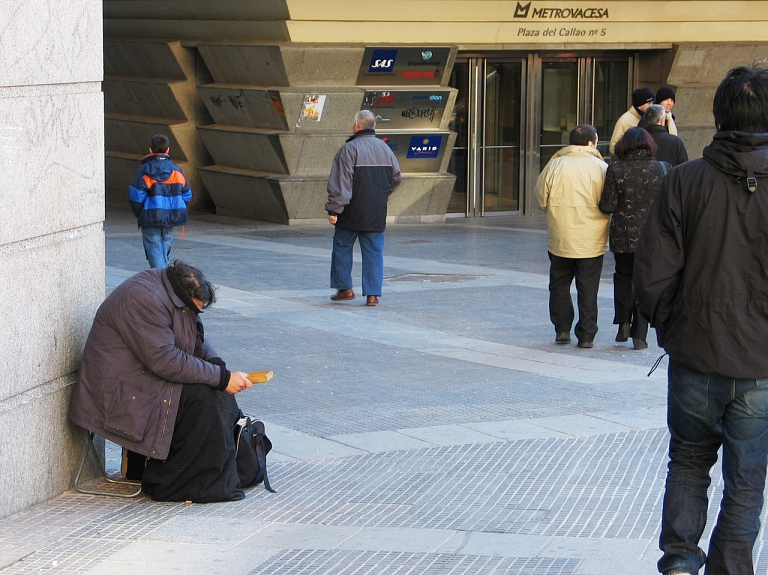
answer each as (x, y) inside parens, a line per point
(149, 381)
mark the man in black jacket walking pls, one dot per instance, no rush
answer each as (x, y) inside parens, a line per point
(669, 148)
(701, 275)
(364, 173)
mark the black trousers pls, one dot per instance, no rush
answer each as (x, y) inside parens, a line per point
(201, 464)
(624, 303)
(562, 272)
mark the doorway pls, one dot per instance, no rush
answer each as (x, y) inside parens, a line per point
(513, 113)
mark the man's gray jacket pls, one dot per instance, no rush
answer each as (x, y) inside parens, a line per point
(364, 173)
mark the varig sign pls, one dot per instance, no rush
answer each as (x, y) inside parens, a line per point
(403, 66)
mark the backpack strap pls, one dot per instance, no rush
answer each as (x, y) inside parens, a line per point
(261, 455)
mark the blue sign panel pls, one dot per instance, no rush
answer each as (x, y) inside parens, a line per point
(382, 60)
(424, 147)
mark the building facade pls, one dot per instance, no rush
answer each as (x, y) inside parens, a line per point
(474, 96)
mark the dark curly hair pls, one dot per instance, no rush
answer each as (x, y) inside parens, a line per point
(194, 283)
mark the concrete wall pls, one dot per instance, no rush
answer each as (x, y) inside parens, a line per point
(51, 236)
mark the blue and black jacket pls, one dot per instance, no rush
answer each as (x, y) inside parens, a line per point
(364, 173)
(159, 193)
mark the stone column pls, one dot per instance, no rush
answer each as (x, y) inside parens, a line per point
(51, 234)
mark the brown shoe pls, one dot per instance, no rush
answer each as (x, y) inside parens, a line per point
(343, 295)
(372, 300)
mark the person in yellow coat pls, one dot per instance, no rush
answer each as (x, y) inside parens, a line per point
(642, 98)
(569, 189)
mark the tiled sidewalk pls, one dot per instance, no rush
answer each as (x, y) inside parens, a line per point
(442, 432)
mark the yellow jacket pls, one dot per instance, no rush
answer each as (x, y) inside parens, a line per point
(569, 189)
(627, 120)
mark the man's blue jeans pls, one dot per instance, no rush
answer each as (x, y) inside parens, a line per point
(372, 249)
(157, 245)
(705, 412)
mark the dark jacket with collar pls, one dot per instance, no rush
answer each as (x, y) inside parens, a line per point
(701, 268)
(144, 344)
(670, 148)
(364, 173)
(631, 186)
(159, 193)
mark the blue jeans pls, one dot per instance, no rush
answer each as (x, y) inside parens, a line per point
(705, 412)
(372, 249)
(157, 245)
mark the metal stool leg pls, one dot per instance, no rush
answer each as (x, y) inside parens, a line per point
(90, 447)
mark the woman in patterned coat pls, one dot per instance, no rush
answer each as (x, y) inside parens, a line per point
(631, 185)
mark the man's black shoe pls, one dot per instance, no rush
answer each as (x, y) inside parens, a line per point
(623, 334)
(586, 344)
(563, 337)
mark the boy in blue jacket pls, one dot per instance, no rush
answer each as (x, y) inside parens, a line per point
(159, 195)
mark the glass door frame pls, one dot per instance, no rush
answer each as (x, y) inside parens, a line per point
(587, 63)
(530, 121)
(476, 121)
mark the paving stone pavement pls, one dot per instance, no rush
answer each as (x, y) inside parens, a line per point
(442, 432)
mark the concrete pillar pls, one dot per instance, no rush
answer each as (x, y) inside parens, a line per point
(51, 234)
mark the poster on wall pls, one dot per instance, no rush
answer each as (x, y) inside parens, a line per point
(312, 108)
(407, 109)
(403, 66)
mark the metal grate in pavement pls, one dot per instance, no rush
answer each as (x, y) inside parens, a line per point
(295, 562)
(603, 486)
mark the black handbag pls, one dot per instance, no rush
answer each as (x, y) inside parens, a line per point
(251, 448)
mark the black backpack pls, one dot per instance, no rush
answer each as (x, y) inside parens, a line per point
(251, 448)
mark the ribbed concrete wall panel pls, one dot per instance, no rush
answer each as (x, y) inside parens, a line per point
(296, 65)
(154, 28)
(276, 152)
(311, 154)
(242, 194)
(246, 149)
(173, 101)
(421, 195)
(57, 281)
(322, 65)
(279, 108)
(199, 9)
(55, 165)
(147, 59)
(341, 105)
(132, 135)
(298, 199)
(245, 106)
(251, 64)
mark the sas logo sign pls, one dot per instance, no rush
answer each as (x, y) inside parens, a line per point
(424, 147)
(382, 61)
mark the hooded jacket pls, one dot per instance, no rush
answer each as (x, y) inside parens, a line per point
(364, 173)
(569, 189)
(159, 193)
(145, 342)
(701, 268)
